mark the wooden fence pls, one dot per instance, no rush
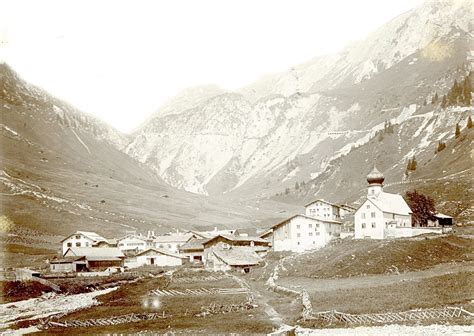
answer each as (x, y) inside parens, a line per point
(331, 317)
(114, 320)
(198, 291)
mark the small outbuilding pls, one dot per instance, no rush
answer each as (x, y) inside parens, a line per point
(68, 264)
(158, 257)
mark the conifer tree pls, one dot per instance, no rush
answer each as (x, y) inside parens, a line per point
(457, 133)
(434, 100)
(444, 102)
(469, 122)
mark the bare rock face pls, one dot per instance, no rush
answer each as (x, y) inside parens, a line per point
(290, 127)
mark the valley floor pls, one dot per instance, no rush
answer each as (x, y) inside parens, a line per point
(275, 296)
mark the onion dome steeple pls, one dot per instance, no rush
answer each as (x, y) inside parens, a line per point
(375, 177)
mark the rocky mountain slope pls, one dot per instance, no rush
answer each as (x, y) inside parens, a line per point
(62, 170)
(290, 127)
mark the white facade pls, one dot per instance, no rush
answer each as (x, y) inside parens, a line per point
(382, 214)
(172, 242)
(301, 233)
(154, 258)
(133, 243)
(323, 210)
(77, 240)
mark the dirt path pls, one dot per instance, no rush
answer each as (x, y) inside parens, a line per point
(321, 285)
(262, 300)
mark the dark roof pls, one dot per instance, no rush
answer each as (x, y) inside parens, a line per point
(237, 256)
(307, 217)
(66, 260)
(321, 200)
(238, 239)
(194, 244)
(161, 251)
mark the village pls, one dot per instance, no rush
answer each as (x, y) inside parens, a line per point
(381, 216)
(263, 279)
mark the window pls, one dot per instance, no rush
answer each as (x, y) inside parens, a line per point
(314, 242)
(78, 244)
(363, 225)
(298, 243)
(317, 225)
(373, 191)
(310, 226)
(169, 245)
(87, 244)
(373, 224)
(161, 246)
(372, 214)
(298, 226)
(78, 236)
(298, 235)
(362, 215)
(311, 234)
(368, 206)
(69, 244)
(317, 233)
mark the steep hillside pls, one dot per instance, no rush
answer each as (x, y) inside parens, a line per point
(62, 170)
(288, 128)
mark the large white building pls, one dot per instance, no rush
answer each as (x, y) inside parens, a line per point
(300, 233)
(83, 239)
(382, 215)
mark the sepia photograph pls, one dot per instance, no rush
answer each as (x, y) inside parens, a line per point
(237, 167)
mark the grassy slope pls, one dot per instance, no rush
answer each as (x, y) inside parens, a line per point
(349, 258)
(57, 183)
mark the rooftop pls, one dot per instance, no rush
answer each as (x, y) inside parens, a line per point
(237, 256)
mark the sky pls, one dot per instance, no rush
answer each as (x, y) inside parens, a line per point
(121, 60)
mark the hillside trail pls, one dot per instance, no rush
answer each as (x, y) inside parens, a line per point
(262, 300)
(322, 285)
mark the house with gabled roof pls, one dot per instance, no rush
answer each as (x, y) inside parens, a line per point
(172, 241)
(155, 257)
(98, 258)
(83, 239)
(226, 259)
(193, 249)
(300, 232)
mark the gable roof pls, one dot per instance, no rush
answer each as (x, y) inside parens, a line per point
(89, 234)
(134, 236)
(66, 260)
(391, 203)
(161, 251)
(321, 200)
(173, 237)
(94, 252)
(237, 257)
(212, 233)
(193, 244)
(237, 239)
(318, 220)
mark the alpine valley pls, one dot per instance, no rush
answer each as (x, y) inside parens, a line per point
(210, 157)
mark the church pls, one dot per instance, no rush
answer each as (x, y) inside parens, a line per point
(382, 214)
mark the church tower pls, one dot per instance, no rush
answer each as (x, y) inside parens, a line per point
(375, 180)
